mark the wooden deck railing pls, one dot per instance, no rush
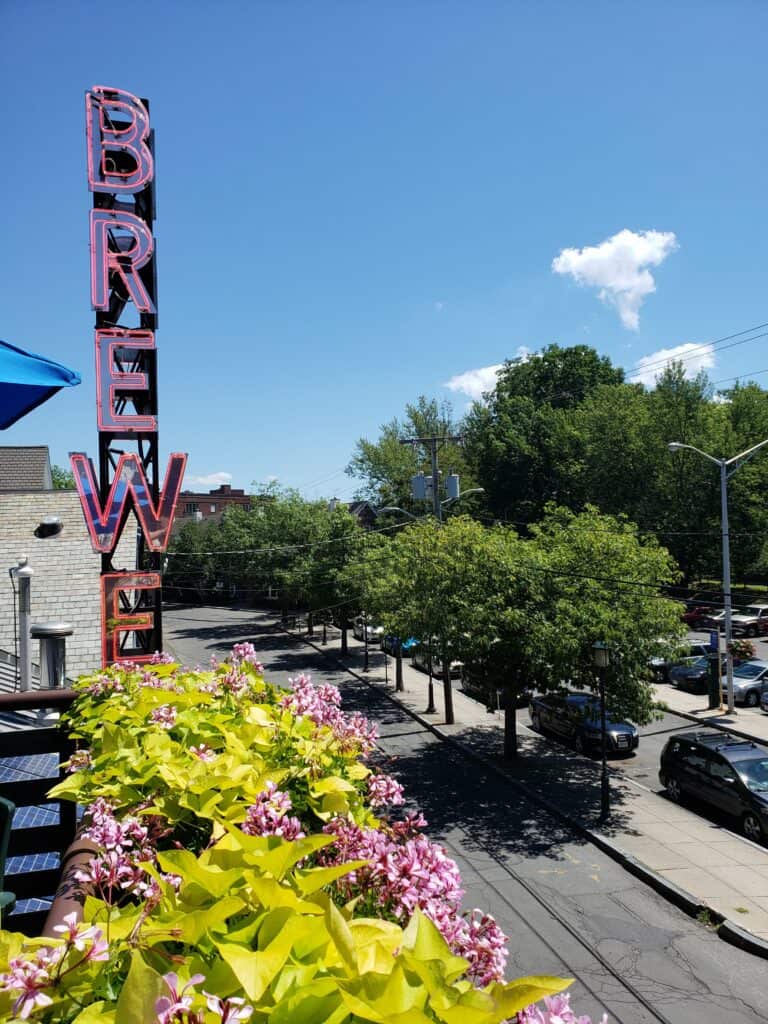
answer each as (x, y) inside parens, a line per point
(38, 883)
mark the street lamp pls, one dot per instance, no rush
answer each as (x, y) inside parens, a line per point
(365, 641)
(601, 656)
(727, 468)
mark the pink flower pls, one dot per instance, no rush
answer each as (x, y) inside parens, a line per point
(28, 978)
(161, 658)
(246, 652)
(232, 1009)
(178, 1005)
(203, 752)
(556, 1010)
(164, 715)
(383, 790)
(269, 815)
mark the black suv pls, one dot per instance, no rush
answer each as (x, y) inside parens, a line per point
(724, 771)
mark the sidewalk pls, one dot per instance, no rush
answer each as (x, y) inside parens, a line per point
(699, 866)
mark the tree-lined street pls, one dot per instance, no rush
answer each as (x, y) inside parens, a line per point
(566, 906)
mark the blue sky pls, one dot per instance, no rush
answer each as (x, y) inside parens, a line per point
(359, 202)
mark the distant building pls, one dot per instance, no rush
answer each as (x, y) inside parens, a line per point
(364, 512)
(210, 506)
(65, 585)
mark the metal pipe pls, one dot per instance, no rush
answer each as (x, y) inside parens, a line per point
(24, 574)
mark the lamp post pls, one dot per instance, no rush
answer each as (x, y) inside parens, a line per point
(430, 709)
(727, 468)
(601, 657)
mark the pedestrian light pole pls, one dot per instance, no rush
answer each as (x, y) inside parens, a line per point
(602, 657)
(727, 468)
(365, 641)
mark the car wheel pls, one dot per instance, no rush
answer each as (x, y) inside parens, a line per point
(752, 827)
(752, 631)
(674, 791)
(752, 699)
(535, 721)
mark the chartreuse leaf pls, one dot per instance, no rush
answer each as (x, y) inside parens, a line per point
(281, 859)
(190, 928)
(318, 1002)
(426, 943)
(142, 988)
(212, 880)
(294, 976)
(342, 936)
(257, 970)
(96, 1013)
(375, 944)
(312, 880)
(514, 996)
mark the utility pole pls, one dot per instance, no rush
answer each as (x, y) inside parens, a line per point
(433, 443)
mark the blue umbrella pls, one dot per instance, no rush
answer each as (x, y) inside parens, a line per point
(26, 381)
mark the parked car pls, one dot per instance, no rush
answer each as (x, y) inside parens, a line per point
(728, 773)
(696, 616)
(576, 716)
(477, 685)
(421, 659)
(750, 621)
(692, 674)
(360, 628)
(661, 667)
(750, 681)
(392, 644)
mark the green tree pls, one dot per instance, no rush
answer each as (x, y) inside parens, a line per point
(522, 445)
(386, 466)
(605, 584)
(63, 479)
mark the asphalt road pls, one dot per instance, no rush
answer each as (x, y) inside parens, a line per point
(567, 908)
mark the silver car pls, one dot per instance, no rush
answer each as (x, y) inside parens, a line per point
(750, 681)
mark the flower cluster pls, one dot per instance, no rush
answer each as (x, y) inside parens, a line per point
(176, 1008)
(161, 658)
(269, 815)
(246, 652)
(104, 685)
(28, 979)
(80, 761)
(164, 715)
(556, 1010)
(125, 845)
(203, 752)
(384, 791)
(407, 871)
(322, 705)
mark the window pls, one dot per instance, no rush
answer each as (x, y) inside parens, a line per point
(191, 507)
(721, 770)
(213, 508)
(695, 759)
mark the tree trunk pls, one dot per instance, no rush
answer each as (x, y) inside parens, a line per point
(399, 669)
(447, 688)
(310, 624)
(510, 728)
(344, 645)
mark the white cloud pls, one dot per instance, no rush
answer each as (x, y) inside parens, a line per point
(695, 358)
(439, 307)
(475, 383)
(210, 480)
(619, 268)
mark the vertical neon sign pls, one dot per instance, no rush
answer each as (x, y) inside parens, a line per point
(121, 170)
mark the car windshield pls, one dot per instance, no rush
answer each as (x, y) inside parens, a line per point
(698, 662)
(754, 772)
(749, 670)
(752, 610)
(591, 713)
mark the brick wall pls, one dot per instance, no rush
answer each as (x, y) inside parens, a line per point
(65, 584)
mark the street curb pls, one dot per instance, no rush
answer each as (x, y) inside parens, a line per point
(727, 930)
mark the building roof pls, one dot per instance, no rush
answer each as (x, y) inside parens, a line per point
(25, 468)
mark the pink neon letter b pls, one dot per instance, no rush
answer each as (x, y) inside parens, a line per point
(117, 123)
